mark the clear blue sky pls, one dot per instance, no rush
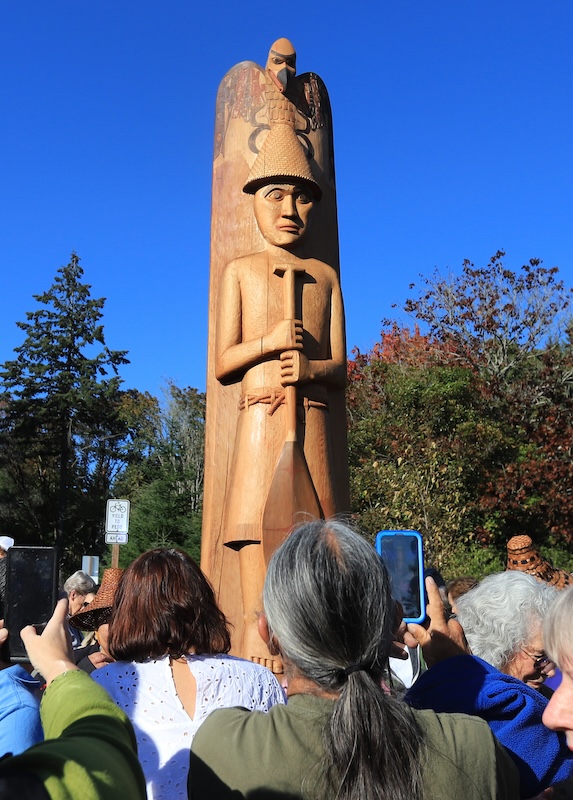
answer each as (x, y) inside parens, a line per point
(453, 136)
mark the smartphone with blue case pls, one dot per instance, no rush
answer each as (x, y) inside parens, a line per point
(403, 555)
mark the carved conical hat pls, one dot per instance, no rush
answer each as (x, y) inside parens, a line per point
(281, 159)
(522, 555)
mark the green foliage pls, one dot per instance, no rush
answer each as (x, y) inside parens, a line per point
(473, 559)
(480, 560)
(70, 438)
(418, 442)
(60, 429)
(558, 555)
(466, 433)
(161, 518)
(164, 479)
(532, 491)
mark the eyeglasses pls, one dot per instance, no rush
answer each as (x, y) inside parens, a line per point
(541, 663)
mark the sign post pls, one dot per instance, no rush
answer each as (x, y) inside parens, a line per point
(116, 527)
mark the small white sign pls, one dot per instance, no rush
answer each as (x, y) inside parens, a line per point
(116, 538)
(117, 516)
(90, 564)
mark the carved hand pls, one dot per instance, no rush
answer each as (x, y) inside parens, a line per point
(287, 335)
(295, 368)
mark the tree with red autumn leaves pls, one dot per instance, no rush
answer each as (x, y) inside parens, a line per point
(464, 432)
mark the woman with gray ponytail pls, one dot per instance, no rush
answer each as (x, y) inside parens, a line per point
(329, 613)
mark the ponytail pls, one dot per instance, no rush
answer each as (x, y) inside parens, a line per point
(327, 600)
(372, 745)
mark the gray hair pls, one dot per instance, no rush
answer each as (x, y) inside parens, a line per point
(500, 615)
(321, 577)
(327, 600)
(80, 582)
(558, 630)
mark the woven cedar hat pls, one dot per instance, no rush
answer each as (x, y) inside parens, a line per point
(281, 159)
(524, 557)
(98, 612)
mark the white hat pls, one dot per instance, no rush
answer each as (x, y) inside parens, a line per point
(6, 542)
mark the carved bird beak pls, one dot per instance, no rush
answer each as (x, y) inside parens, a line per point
(280, 78)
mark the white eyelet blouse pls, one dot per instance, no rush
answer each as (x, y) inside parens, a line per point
(164, 730)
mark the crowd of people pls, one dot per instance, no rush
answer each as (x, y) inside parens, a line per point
(149, 703)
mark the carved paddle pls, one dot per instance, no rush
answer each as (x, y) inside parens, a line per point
(291, 493)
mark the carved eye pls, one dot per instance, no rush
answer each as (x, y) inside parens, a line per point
(303, 198)
(275, 194)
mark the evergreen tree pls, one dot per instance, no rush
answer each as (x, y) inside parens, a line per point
(61, 431)
(164, 479)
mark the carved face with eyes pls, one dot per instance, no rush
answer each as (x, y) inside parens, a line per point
(283, 212)
(281, 63)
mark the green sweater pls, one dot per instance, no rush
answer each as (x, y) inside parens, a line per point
(241, 754)
(89, 751)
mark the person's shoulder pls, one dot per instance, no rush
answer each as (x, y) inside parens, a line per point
(446, 724)
(242, 665)
(116, 670)
(18, 689)
(460, 747)
(227, 661)
(239, 723)
(243, 669)
(243, 732)
(17, 674)
(460, 737)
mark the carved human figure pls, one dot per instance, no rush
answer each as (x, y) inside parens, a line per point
(267, 349)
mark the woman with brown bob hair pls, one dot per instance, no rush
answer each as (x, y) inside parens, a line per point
(166, 606)
(170, 642)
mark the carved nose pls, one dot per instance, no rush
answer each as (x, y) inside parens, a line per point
(289, 206)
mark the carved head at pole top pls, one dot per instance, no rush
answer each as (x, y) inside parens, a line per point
(281, 63)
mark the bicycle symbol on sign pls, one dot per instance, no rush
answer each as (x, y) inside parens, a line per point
(118, 508)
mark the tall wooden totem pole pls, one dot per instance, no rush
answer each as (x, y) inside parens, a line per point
(275, 450)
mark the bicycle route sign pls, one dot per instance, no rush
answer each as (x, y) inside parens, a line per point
(116, 521)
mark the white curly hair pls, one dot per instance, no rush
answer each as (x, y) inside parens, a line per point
(503, 613)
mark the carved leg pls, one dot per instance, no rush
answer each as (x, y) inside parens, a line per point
(252, 580)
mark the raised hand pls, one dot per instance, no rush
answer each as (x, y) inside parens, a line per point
(443, 638)
(50, 653)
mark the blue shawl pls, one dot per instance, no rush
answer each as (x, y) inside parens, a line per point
(513, 710)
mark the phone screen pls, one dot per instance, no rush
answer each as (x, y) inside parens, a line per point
(402, 554)
(31, 592)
